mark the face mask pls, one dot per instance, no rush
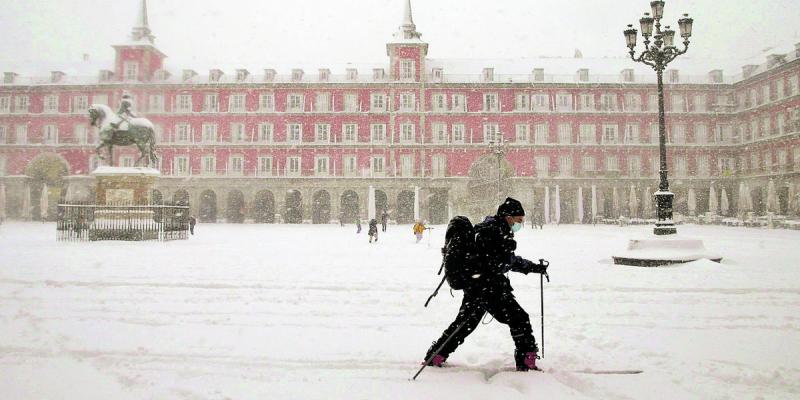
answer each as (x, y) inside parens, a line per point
(516, 227)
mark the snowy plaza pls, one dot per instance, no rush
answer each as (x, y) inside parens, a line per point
(316, 312)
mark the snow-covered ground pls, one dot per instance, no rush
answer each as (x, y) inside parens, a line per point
(316, 312)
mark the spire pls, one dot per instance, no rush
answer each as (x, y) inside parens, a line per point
(141, 30)
(408, 31)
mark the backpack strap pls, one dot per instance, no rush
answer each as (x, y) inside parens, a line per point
(435, 292)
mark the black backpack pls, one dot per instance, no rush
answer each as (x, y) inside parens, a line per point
(458, 255)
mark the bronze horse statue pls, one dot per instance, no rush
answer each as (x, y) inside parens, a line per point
(139, 132)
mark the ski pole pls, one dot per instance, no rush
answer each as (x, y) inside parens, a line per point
(441, 347)
(541, 297)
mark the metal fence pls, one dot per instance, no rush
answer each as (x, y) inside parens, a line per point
(80, 222)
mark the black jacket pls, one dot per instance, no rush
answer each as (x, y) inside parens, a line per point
(495, 245)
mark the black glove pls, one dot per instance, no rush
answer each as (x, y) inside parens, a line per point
(540, 267)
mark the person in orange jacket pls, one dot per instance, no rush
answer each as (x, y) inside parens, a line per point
(419, 227)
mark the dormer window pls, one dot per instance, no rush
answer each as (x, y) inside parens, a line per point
(269, 75)
(297, 75)
(715, 76)
(324, 75)
(583, 75)
(673, 76)
(162, 75)
(106, 75)
(241, 75)
(214, 75)
(538, 74)
(627, 75)
(438, 74)
(378, 74)
(56, 76)
(488, 74)
(352, 74)
(9, 77)
(188, 74)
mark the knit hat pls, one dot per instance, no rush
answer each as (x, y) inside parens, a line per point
(510, 207)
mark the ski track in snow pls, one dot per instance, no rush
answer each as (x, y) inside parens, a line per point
(316, 312)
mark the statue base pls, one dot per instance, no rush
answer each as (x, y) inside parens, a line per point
(124, 185)
(654, 251)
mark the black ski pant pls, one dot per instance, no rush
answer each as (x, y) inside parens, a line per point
(502, 306)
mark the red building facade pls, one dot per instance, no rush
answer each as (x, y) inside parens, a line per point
(579, 136)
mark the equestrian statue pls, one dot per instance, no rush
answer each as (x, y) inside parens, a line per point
(123, 128)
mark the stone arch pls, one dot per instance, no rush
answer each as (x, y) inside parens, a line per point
(156, 197)
(437, 206)
(208, 206)
(321, 207)
(405, 207)
(482, 187)
(293, 213)
(234, 210)
(349, 206)
(181, 197)
(381, 202)
(46, 170)
(263, 210)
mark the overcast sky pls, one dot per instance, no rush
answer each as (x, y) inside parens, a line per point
(41, 34)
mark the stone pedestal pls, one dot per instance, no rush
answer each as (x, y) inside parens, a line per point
(656, 250)
(124, 185)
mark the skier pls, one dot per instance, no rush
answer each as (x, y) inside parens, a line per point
(491, 290)
(384, 219)
(418, 228)
(373, 230)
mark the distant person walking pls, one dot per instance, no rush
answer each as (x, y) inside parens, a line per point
(358, 225)
(373, 230)
(418, 229)
(192, 223)
(384, 220)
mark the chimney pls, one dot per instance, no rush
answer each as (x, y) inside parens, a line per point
(106, 75)
(9, 77)
(775, 60)
(188, 74)
(747, 70)
(55, 76)
(214, 75)
(269, 75)
(715, 76)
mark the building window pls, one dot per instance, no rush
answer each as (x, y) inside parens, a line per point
(406, 165)
(236, 103)
(50, 104)
(321, 165)
(131, 70)
(681, 166)
(377, 166)
(81, 133)
(237, 132)
(183, 103)
(608, 102)
(458, 133)
(459, 103)
(438, 103)
(378, 102)
(180, 165)
(726, 166)
(407, 133)
(236, 165)
(21, 134)
(678, 135)
(322, 133)
(438, 166)
(294, 133)
(50, 134)
(633, 102)
(490, 102)
(632, 133)
(703, 168)
(541, 102)
(155, 103)
(407, 69)
(378, 133)
(654, 133)
(523, 133)
(522, 102)
(699, 103)
(5, 104)
(612, 163)
(564, 102)
(264, 166)
(182, 133)
(700, 133)
(587, 102)
(21, 104)
(407, 102)
(293, 166)
(265, 131)
(209, 133)
(3, 134)
(349, 133)
(294, 102)
(634, 166)
(542, 166)
(349, 164)
(323, 102)
(351, 102)
(565, 165)
(677, 103)
(211, 103)
(587, 134)
(610, 134)
(126, 161)
(266, 102)
(589, 164)
(652, 102)
(491, 133)
(439, 132)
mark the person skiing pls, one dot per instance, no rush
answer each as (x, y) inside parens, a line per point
(491, 290)
(373, 230)
(418, 228)
(384, 219)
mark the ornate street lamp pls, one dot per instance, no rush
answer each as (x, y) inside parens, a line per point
(657, 55)
(499, 149)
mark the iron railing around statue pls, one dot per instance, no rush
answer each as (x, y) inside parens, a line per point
(80, 222)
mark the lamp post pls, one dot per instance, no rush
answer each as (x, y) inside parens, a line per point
(498, 148)
(657, 55)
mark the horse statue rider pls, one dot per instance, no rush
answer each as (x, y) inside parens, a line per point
(123, 129)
